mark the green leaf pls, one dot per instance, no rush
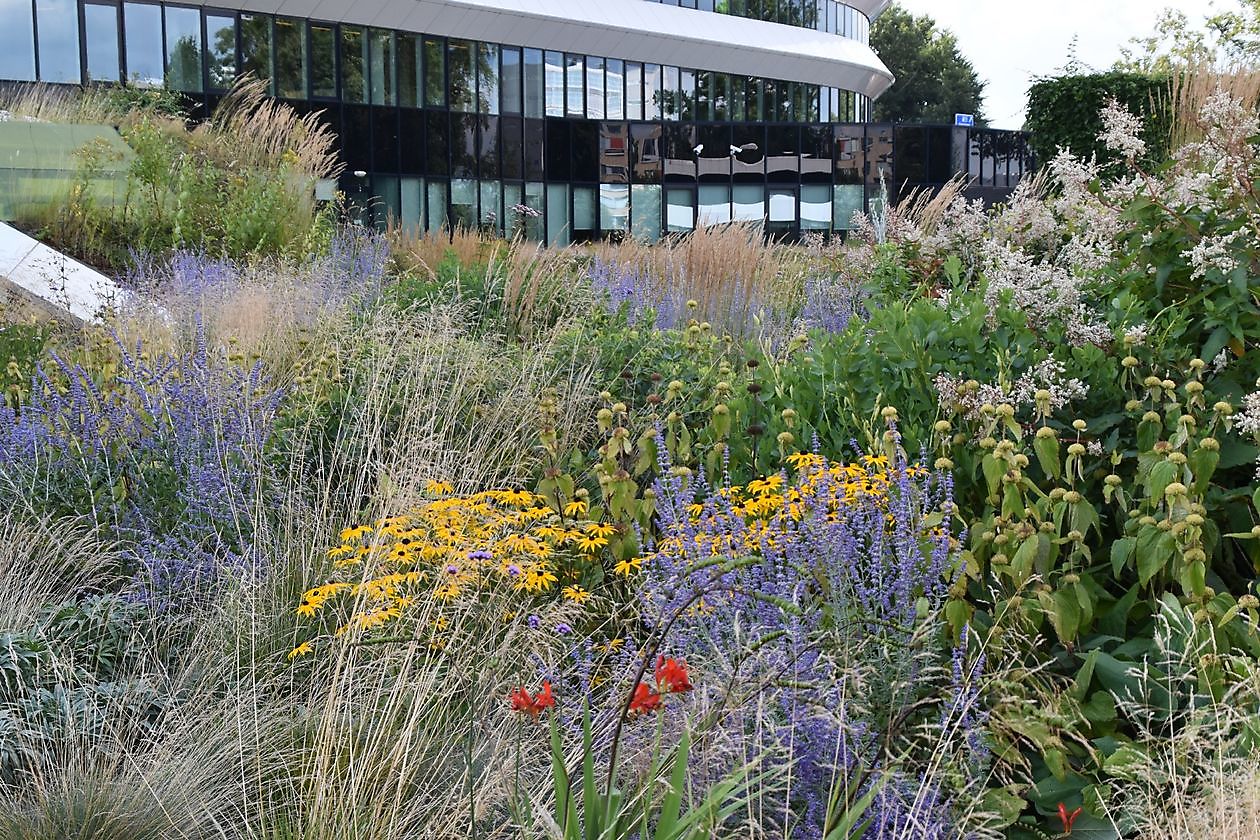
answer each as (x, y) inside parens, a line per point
(1155, 548)
(1162, 474)
(1066, 616)
(1121, 549)
(667, 822)
(1203, 464)
(1047, 450)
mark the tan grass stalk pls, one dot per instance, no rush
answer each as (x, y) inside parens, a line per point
(1190, 87)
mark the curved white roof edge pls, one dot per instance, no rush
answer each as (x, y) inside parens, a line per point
(648, 32)
(871, 8)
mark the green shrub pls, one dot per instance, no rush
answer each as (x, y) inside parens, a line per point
(1063, 112)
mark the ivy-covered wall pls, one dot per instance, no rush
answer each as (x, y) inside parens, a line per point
(1064, 112)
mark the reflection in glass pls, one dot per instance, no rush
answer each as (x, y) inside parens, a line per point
(535, 157)
(634, 90)
(101, 33)
(535, 84)
(58, 28)
(461, 76)
(412, 205)
(815, 207)
(256, 47)
(17, 41)
(614, 208)
(142, 31)
(409, 63)
(535, 198)
(434, 74)
(291, 58)
(183, 49)
(715, 205)
(687, 104)
(680, 210)
(221, 50)
(748, 202)
(512, 148)
(554, 74)
(595, 88)
(645, 212)
(848, 199)
(669, 93)
(435, 198)
(463, 146)
(614, 142)
(652, 91)
(487, 79)
(354, 65)
(584, 214)
(463, 203)
(647, 153)
(614, 89)
(491, 212)
(381, 66)
(557, 214)
(510, 81)
(488, 147)
(575, 105)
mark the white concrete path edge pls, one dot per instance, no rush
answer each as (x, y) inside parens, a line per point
(55, 278)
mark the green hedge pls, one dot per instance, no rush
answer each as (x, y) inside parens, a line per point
(1065, 112)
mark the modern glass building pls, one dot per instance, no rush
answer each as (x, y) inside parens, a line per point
(602, 117)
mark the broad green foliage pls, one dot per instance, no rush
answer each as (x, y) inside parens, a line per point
(1063, 112)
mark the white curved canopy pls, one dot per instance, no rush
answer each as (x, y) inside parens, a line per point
(637, 31)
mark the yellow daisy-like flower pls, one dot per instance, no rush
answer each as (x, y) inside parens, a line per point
(625, 568)
(351, 534)
(589, 545)
(438, 488)
(576, 508)
(601, 529)
(301, 650)
(576, 594)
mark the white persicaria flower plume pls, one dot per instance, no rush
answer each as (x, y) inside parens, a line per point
(1213, 252)
(1122, 131)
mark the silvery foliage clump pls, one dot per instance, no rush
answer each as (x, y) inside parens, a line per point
(810, 654)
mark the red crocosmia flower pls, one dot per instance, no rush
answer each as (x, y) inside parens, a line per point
(671, 676)
(532, 705)
(644, 700)
(1068, 819)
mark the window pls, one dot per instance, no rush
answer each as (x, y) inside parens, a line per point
(715, 205)
(461, 76)
(410, 62)
(815, 207)
(381, 66)
(634, 91)
(463, 203)
(584, 213)
(256, 47)
(535, 84)
(848, 199)
(614, 89)
(354, 64)
(748, 201)
(645, 212)
(614, 208)
(291, 58)
(558, 214)
(535, 198)
(101, 34)
(595, 88)
(574, 72)
(434, 75)
(687, 103)
(510, 81)
(17, 40)
(554, 84)
(488, 147)
(221, 50)
(435, 196)
(491, 212)
(463, 146)
(183, 49)
(652, 105)
(142, 25)
(58, 28)
(487, 79)
(680, 210)
(670, 87)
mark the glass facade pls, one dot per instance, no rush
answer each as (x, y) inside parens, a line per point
(459, 132)
(822, 15)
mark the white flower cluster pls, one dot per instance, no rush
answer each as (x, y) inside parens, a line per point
(968, 397)
(1214, 251)
(1248, 420)
(1122, 131)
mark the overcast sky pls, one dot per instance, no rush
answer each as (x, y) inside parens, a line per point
(1013, 41)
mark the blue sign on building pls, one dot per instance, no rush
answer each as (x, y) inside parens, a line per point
(967, 120)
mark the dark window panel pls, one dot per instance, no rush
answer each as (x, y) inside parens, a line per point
(183, 49)
(783, 153)
(510, 82)
(488, 147)
(434, 73)
(535, 84)
(714, 162)
(411, 136)
(410, 61)
(463, 145)
(461, 83)
(384, 139)
(585, 150)
(512, 148)
(356, 137)
(354, 64)
(559, 163)
(381, 67)
(614, 153)
(437, 144)
(255, 35)
(817, 153)
(291, 58)
(749, 166)
(535, 149)
(680, 154)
